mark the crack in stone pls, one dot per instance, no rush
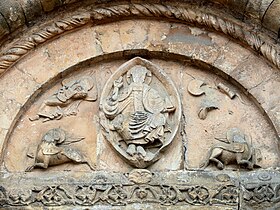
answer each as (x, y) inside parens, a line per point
(262, 82)
(184, 124)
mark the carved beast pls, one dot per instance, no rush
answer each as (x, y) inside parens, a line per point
(236, 150)
(51, 150)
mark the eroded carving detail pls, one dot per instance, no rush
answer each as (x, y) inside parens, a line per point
(189, 15)
(23, 46)
(197, 195)
(85, 195)
(230, 93)
(67, 99)
(54, 196)
(52, 150)
(198, 87)
(121, 195)
(226, 195)
(235, 149)
(3, 196)
(137, 111)
(20, 197)
(140, 176)
(260, 193)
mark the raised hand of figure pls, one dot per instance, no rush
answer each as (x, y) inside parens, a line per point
(118, 83)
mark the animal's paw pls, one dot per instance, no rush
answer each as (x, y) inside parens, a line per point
(92, 167)
(220, 166)
(30, 168)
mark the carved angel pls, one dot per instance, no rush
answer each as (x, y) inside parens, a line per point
(67, 99)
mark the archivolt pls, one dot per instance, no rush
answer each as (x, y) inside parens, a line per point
(189, 15)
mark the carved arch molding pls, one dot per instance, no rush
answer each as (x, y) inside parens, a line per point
(123, 105)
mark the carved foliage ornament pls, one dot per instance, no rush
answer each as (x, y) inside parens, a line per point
(140, 111)
(122, 195)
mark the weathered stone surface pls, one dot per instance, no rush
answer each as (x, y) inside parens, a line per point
(247, 74)
(4, 28)
(31, 9)
(231, 57)
(13, 14)
(268, 20)
(260, 190)
(140, 113)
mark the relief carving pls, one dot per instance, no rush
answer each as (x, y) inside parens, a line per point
(198, 87)
(53, 196)
(236, 148)
(230, 93)
(137, 111)
(123, 194)
(140, 176)
(20, 197)
(66, 100)
(53, 150)
(262, 193)
(226, 195)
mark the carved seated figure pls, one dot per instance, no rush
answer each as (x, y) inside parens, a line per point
(67, 99)
(236, 149)
(52, 150)
(138, 112)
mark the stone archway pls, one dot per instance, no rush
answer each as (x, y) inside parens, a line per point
(210, 87)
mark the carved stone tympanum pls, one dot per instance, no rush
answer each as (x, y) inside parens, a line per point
(187, 115)
(140, 111)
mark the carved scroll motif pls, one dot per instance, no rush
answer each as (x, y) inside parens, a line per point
(137, 111)
(123, 195)
(235, 149)
(66, 100)
(53, 150)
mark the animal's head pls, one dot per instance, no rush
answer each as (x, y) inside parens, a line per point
(235, 135)
(81, 87)
(55, 135)
(76, 89)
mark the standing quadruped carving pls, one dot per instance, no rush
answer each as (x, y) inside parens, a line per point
(140, 111)
(235, 149)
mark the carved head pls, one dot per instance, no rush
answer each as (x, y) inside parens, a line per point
(81, 87)
(235, 135)
(55, 135)
(138, 74)
(76, 89)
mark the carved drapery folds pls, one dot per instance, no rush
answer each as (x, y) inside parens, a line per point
(140, 111)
